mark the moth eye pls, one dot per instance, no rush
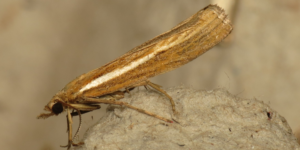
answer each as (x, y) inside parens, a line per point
(57, 108)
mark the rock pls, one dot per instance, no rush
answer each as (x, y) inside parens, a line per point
(210, 120)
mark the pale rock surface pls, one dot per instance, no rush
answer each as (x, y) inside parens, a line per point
(210, 120)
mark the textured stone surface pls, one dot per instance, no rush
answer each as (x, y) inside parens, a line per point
(207, 120)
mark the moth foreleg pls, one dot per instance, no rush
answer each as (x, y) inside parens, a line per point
(69, 122)
(69, 127)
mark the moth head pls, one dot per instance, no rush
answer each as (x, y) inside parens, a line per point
(54, 107)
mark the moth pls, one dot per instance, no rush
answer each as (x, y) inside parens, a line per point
(168, 51)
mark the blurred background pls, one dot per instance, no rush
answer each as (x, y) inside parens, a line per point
(46, 44)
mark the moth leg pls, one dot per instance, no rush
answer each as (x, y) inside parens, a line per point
(81, 112)
(97, 100)
(129, 89)
(146, 87)
(69, 122)
(81, 109)
(110, 97)
(158, 88)
(78, 129)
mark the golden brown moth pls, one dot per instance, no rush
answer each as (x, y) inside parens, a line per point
(168, 51)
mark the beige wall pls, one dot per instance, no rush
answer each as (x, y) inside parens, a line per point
(46, 44)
